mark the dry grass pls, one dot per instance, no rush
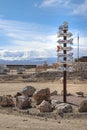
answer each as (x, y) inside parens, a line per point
(72, 86)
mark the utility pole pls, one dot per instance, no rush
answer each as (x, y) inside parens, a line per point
(78, 46)
(64, 45)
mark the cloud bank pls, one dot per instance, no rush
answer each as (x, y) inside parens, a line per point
(76, 8)
(26, 55)
(26, 40)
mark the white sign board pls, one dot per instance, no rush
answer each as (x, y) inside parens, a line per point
(70, 41)
(65, 55)
(67, 48)
(62, 34)
(63, 27)
(69, 69)
(66, 62)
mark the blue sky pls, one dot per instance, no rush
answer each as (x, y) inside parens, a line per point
(28, 28)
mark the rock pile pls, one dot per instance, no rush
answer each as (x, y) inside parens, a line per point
(41, 100)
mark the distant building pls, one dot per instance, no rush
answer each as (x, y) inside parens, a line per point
(82, 59)
(4, 69)
(20, 70)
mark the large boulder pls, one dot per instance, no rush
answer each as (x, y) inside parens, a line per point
(45, 106)
(83, 106)
(64, 108)
(40, 95)
(7, 101)
(26, 91)
(23, 102)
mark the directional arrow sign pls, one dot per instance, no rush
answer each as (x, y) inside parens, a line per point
(66, 62)
(62, 28)
(69, 69)
(61, 69)
(67, 48)
(69, 59)
(62, 34)
(65, 55)
(70, 41)
(60, 48)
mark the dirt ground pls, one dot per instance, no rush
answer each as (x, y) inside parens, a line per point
(72, 86)
(15, 121)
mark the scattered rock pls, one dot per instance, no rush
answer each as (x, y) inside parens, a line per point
(46, 119)
(80, 94)
(45, 107)
(63, 108)
(6, 101)
(25, 120)
(23, 102)
(54, 93)
(43, 94)
(59, 122)
(83, 106)
(68, 94)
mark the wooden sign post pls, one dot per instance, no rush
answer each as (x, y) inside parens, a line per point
(63, 46)
(64, 72)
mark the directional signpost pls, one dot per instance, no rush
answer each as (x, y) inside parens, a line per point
(66, 55)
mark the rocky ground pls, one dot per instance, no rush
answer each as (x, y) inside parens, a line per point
(32, 118)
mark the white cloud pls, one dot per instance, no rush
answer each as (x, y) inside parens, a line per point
(80, 9)
(27, 40)
(75, 8)
(52, 3)
(26, 54)
(27, 34)
(48, 3)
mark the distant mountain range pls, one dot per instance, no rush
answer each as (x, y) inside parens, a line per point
(33, 56)
(34, 61)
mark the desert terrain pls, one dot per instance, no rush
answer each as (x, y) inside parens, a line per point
(13, 119)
